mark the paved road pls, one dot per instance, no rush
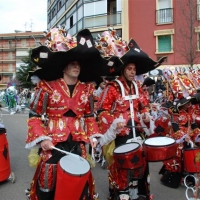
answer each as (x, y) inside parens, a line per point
(16, 134)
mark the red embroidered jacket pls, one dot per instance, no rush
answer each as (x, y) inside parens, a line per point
(53, 98)
(113, 105)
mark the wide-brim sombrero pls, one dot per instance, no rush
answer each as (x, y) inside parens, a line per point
(148, 82)
(141, 60)
(179, 103)
(195, 99)
(52, 63)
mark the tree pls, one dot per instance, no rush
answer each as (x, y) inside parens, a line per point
(22, 72)
(186, 37)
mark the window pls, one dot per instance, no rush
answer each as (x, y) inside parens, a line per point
(164, 41)
(198, 9)
(59, 5)
(197, 31)
(71, 21)
(10, 43)
(164, 12)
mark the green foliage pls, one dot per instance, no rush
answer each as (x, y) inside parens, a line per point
(22, 72)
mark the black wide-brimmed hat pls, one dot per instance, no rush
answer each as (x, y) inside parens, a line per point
(148, 81)
(52, 63)
(195, 99)
(180, 102)
(141, 60)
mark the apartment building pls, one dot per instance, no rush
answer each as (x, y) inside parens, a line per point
(160, 27)
(95, 15)
(14, 47)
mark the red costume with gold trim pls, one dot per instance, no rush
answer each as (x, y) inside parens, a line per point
(113, 106)
(53, 100)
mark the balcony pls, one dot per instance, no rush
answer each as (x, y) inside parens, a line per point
(96, 21)
(14, 46)
(7, 59)
(164, 16)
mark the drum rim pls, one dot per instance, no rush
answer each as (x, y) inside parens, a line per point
(159, 145)
(79, 175)
(124, 145)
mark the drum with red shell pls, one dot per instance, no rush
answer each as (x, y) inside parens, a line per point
(5, 169)
(159, 148)
(129, 156)
(73, 173)
(197, 117)
(191, 160)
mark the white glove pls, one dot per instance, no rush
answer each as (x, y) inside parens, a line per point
(110, 134)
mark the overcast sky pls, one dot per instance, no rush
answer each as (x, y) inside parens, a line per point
(23, 15)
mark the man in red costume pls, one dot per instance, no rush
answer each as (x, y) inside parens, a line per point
(61, 114)
(124, 98)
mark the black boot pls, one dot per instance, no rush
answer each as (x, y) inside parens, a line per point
(162, 170)
(171, 179)
(112, 194)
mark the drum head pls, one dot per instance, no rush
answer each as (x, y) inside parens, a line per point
(127, 147)
(159, 141)
(74, 165)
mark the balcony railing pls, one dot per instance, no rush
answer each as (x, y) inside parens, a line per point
(13, 45)
(95, 21)
(7, 58)
(164, 16)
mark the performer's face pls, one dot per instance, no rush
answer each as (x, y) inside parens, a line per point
(72, 69)
(130, 71)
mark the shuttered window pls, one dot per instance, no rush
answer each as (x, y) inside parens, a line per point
(164, 43)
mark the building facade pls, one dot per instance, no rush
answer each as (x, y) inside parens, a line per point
(96, 15)
(160, 27)
(167, 27)
(14, 47)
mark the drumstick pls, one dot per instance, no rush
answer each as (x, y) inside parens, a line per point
(66, 152)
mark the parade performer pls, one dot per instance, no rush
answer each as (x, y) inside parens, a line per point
(123, 98)
(181, 119)
(11, 99)
(61, 114)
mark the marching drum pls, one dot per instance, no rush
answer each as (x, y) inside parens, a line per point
(159, 148)
(73, 173)
(191, 160)
(129, 156)
(5, 169)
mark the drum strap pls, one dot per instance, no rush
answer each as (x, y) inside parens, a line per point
(130, 99)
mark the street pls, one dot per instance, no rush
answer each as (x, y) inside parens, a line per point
(16, 134)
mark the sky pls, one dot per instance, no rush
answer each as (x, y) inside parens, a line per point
(23, 15)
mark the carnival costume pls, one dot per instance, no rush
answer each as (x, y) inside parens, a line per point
(182, 124)
(63, 114)
(125, 100)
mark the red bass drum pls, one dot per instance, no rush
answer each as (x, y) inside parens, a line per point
(5, 169)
